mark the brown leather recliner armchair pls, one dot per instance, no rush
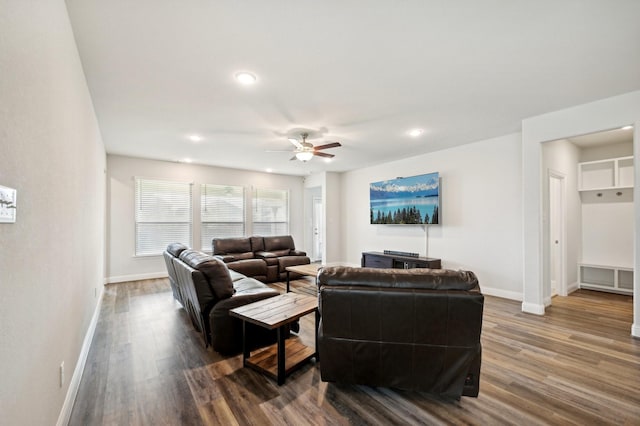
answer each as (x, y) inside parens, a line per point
(416, 329)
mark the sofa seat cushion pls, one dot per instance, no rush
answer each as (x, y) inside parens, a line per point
(280, 253)
(246, 286)
(430, 279)
(214, 270)
(235, 276)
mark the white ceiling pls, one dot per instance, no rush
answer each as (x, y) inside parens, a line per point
(359, 72)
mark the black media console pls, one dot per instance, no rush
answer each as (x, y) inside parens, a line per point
(376, 259)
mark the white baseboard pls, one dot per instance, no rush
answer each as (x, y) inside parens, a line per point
(532, 308)
(135, 277)
(635, 330)
(505, 294)
(74, 384)
(572, 287)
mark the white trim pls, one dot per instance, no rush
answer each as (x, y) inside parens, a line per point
(532, 308)
(547, 301)
(572, 287)
(635, 330)
(136, 277)
(505, 294)
(74, 385)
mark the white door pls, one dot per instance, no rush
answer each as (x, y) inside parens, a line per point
(317, 230)
(556, 234)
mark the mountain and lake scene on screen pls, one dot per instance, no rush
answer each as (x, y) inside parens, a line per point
(411, 200)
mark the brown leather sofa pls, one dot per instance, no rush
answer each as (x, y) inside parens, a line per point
(207, 290)
(416, 329)
(263, 258)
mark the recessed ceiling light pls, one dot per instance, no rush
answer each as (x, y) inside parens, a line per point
(328, 160)
(269, 170)
(627, 127)
(187, 160)
(414, 133)
(195, 138)
(245, 77)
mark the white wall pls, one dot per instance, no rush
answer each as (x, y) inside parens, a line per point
(481, 219)
(563, 156)
(52, 258)
(606, 114)
(122, 264)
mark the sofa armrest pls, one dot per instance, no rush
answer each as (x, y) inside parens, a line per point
(271, 259)
(297, 253)
(226, 258)
(264, 255)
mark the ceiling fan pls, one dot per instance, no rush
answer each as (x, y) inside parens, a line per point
(305, 150)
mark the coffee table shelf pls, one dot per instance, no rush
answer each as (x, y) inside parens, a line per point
(265, 360)
(276, 313)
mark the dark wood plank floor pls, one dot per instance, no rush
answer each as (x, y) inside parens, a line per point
(147, 366)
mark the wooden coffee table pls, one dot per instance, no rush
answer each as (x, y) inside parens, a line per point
(275, 313)
(308, 270)
(311, 269)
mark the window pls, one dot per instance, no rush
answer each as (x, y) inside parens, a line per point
(270, 212)
(163, 215)
(221, 212)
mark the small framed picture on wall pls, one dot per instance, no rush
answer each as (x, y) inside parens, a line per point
(8, 205)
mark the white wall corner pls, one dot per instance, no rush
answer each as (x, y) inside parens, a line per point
(635, 330)
(547, 301)
(532, 308)
(572, 287)
(74, 385)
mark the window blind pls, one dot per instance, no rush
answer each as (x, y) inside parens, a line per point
(270, 212)
(163, 215)
(222, 212)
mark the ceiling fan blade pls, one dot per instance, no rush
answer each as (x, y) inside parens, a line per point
(295, 143)
(293, 158)
(323, 154)
(327, 146)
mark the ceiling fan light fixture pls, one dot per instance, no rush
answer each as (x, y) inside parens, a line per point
(304, 155)
(245, 77)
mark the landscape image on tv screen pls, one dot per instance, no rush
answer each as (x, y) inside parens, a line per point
(412, 200)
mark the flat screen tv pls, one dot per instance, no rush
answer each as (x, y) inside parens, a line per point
(411, 200)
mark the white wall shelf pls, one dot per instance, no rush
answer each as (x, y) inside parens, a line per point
(608, 178)
(606, 278)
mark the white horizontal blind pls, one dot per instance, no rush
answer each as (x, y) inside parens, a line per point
(163, 215)
(270, 212)
(222, 212)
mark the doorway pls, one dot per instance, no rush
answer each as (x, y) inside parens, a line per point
(317, 230)
(557, 239)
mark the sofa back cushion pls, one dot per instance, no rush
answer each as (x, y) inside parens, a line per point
(236, 246)
(176, 248)
(427, 279)
(214, 271)
(257, 243)
(281, 244)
